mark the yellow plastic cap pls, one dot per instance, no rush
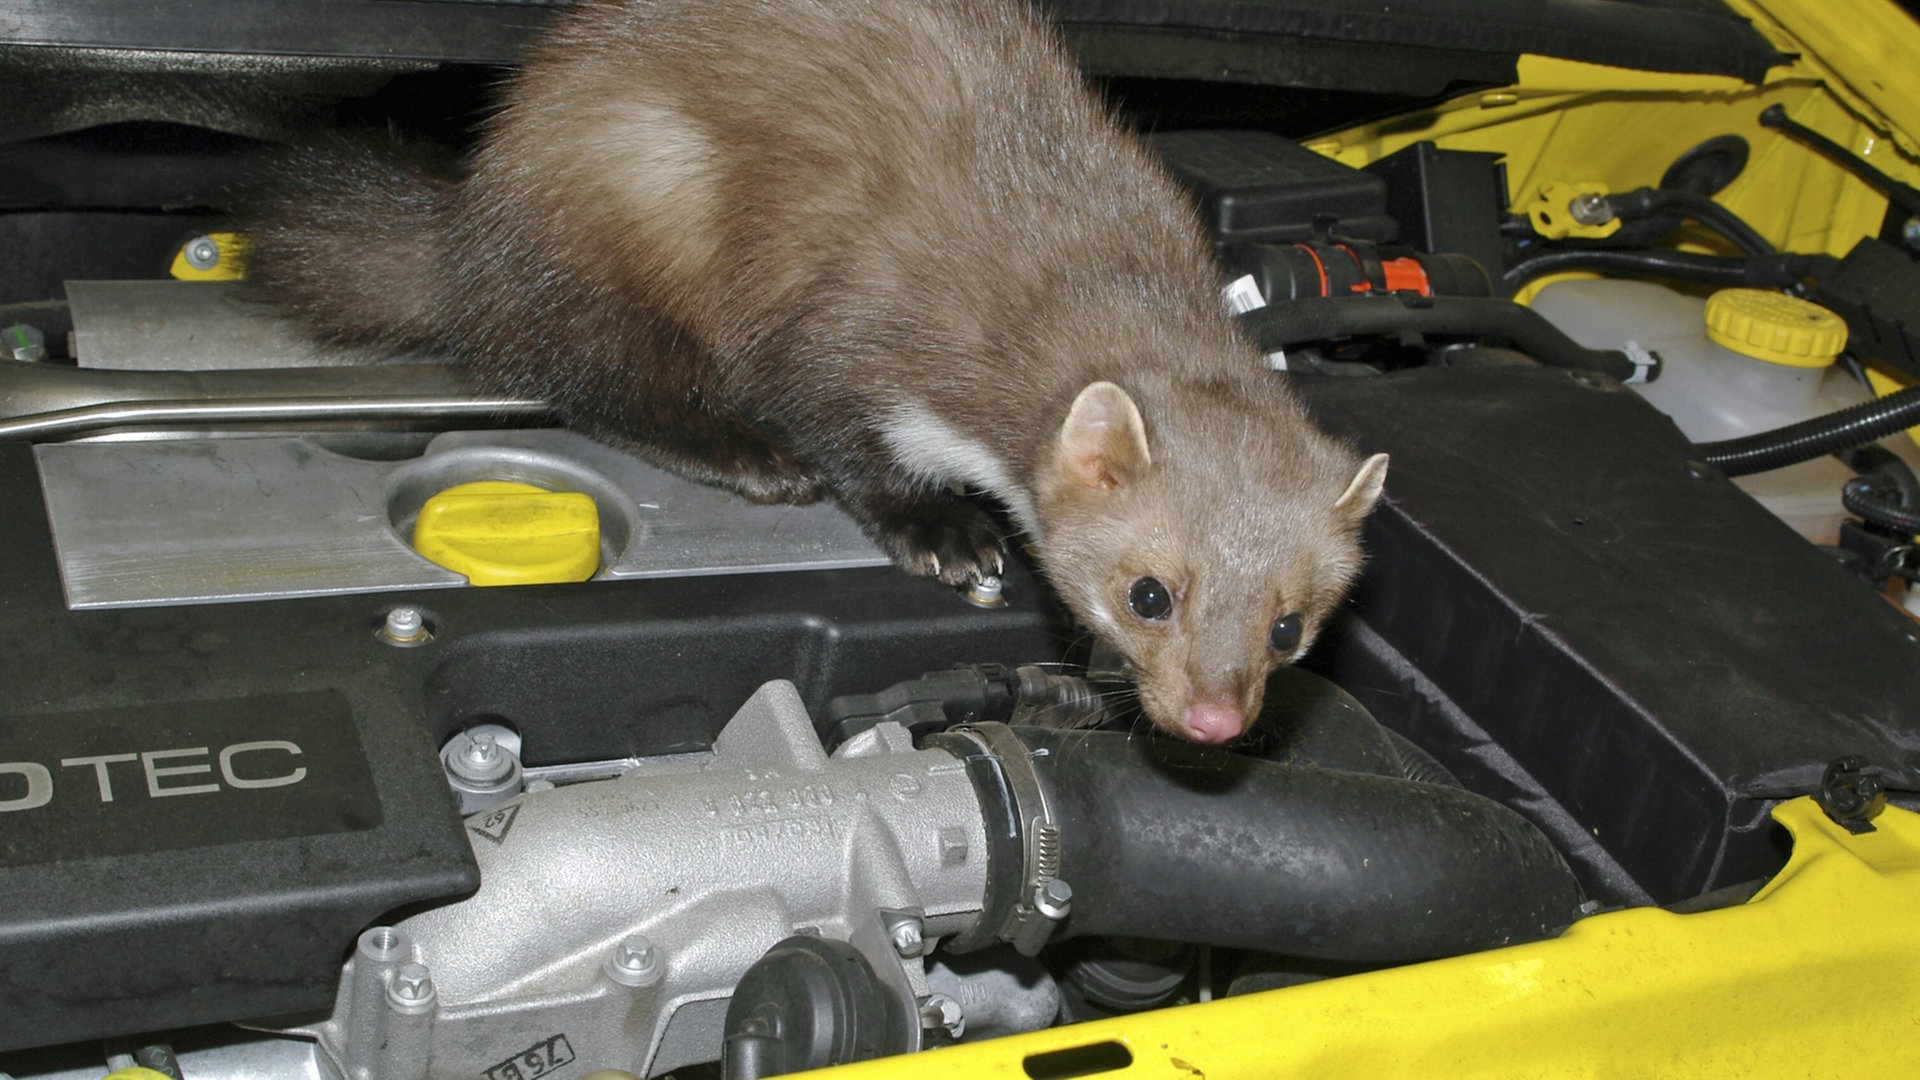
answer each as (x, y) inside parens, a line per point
(1774, 327)
(501, 533)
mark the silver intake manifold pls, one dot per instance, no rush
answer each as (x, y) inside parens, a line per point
(615, 917)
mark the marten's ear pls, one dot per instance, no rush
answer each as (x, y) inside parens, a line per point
(1357, 502)
(1103, 444)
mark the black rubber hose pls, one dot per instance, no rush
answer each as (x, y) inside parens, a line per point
(1856, 426)
(1283, 325)
(1874, 501)
(1774, 271)
(1310, 721)
(1887, 470)
(1645, 202)
(1178, 842)
(1417, 764)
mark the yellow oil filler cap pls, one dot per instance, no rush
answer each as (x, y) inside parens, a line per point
(501, 533)
(1774, 327)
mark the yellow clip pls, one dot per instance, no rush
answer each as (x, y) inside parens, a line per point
(135, 1073)
(217, 256)
(1555, 216)
(501, 533)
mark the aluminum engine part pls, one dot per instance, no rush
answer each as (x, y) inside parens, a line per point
(999, 991)
(201, 521)
(615, 917)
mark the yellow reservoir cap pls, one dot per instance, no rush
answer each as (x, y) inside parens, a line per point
(501, 533)
(135, 1073)
(1774, 327)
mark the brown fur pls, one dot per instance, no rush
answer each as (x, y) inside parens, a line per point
(742, 236)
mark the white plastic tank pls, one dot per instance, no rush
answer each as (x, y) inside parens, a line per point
(1740, 362)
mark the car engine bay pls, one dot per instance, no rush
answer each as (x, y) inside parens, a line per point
(282, 796)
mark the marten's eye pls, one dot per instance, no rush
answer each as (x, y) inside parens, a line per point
(1286, 633)
(1149, 599)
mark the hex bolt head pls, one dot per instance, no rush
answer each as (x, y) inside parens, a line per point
(635, 962)
(907, 938)
(938, 1012)
(24, 342)
(1053, 898)
(404, 625)
(411, 990)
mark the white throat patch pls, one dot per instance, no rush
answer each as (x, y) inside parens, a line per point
(928, 447)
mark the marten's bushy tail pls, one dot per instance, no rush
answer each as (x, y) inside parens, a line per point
(350, 238)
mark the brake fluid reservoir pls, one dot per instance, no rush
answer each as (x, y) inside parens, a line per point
(1740, 362)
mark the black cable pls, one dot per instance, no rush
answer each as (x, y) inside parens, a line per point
(1856, 426)
(1645, 203)
(1704, 210)
(1775, 271)
(1903, 195)
(1874, 500)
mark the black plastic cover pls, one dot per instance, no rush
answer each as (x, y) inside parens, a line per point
(1564, 611)
(1257, 186)
(1698, 36)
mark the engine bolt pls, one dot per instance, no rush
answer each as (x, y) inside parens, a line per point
(405, 625)
(938, 1012)
(24, 342)
(411, 990)
(477, 757)
(1590, 209)
(985, 591)
(1054, 899)
(635, 962)
(203, 253)
(907, 939)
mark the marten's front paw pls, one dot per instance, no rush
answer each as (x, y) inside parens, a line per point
(946, 538)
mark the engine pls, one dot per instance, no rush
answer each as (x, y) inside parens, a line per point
(286, 791)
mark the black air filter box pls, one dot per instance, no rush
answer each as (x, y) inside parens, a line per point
(1254, 185)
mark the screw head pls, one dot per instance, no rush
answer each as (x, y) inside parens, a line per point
(635, 962)
(478, 758)
(411, 989)
(404, 625)
(907, 939)
(986, 591)
(203, 253)
(939, 1012)
(1910, 232)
